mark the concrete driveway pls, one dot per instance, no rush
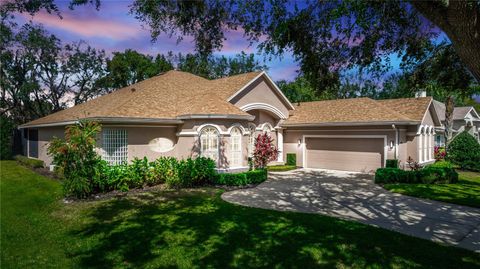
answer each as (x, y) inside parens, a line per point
(354, 196)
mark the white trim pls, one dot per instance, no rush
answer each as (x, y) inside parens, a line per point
(263, 73)
(242, 129)
(304, 147)
(216, 116)
(264, 106)
(262, 126)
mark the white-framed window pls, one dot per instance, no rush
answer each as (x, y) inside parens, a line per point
(235, 147)
(209, 143)
(115, 145)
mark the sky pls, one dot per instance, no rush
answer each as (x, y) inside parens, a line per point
(112, 28)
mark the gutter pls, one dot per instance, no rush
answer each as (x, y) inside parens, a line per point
(106, 120)
(350, 123)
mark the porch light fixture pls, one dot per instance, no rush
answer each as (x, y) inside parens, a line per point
(391, 144)
(299, 142)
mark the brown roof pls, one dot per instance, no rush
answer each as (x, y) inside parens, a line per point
(413, 108)
(357, 110)
(166, 96)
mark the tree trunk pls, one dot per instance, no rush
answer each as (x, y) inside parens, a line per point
(449, 107)
(460, 20)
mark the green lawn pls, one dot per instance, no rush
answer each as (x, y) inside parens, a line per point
(465, 192)
(191, 229)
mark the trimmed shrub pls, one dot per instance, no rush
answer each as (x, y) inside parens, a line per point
(431, 175)
(241, 179)
(291, 159)
(392, 163)
(427, 175)
(464, 151)
(281, 168)
(33, 163)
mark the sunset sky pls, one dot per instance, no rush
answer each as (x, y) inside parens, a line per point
(112, 28)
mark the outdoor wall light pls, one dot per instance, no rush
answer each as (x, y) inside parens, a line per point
(299, 142)
(391, 144)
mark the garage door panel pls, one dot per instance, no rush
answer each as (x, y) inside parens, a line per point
(359, 154)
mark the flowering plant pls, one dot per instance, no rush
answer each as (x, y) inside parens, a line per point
(264, 151)
(439, 153)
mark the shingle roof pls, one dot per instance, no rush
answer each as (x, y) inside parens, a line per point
(459, 113)
(166, 96)
(413, 108)
(356, 110)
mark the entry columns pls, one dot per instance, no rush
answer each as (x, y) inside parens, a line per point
(280, 144)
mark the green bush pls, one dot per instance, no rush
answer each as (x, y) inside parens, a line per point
(165, 169)
(34, 163)
(392, 163)
(140, 173)
(76, 157)
(291, 159)
(464, 151)
(241, 179)
(427, 175)
(441, 164)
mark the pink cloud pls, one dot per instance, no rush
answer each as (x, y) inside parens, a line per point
(92, 26)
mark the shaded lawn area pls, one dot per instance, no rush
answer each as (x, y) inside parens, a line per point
(465, 192)
(191, 229)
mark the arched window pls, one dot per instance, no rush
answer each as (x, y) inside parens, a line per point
(236, 147)
(209, 143)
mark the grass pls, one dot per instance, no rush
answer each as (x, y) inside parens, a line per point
(281, 168)
(465, 192)
(191, 229)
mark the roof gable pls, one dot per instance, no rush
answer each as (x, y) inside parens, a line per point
(261, 75)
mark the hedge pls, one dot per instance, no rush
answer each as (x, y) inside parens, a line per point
(391, 163)
(291, 159)
(464, 150)
(281, 168)
(241, 179)
(427, 175)
(34, 163)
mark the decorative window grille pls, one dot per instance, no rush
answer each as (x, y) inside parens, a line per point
(236, 147)
(115, 146)
(209, 142)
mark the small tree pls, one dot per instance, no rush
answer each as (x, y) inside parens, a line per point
(265, 151)
(76, 157)
(464, 150)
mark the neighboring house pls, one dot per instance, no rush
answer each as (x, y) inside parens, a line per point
(464, 119)
(182, 115)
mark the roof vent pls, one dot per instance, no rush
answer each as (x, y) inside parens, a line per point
(421, 93)
(133, 89)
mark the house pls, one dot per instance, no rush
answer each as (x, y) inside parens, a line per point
(182, 115)
(464, 119)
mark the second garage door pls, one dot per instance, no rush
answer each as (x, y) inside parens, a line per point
(348, 154)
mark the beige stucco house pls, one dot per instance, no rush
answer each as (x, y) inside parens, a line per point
(182, 115)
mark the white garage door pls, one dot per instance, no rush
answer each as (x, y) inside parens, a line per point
(348, 154)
